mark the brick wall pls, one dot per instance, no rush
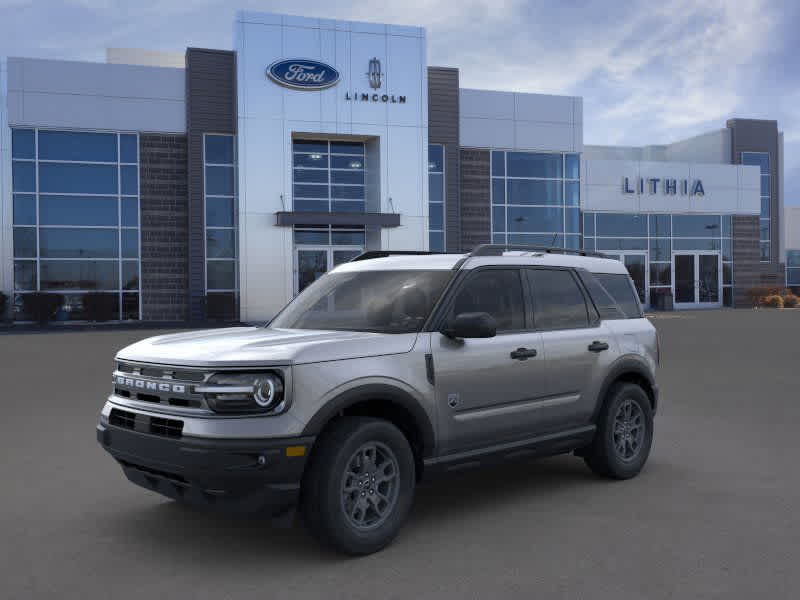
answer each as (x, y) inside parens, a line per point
(165, 231)
(476, 216)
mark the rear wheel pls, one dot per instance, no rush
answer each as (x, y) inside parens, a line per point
(624, 433)
(359, 485)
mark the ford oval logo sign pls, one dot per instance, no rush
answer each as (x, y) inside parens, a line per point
(303, 74)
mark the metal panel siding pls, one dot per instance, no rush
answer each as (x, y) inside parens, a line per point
(443, 128)
(476, 216)
(210, 108)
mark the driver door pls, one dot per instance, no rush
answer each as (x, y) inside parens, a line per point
(484, 395)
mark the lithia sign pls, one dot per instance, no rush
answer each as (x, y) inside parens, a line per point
(306, 74)
(667, 186)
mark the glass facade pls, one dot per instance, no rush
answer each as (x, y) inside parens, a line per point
(536, 198)
(76, 219)
(657, 237)
(328, 176)
(793, 269)
(219, 162)
(436, 197)
(761, 160)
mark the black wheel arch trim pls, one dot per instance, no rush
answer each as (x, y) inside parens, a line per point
(622, 367)
(380, 393)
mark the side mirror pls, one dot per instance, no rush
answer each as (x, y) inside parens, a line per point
(471, 325)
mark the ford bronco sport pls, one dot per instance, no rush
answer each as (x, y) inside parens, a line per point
(389, 368)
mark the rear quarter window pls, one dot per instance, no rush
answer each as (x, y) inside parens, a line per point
(620, 288)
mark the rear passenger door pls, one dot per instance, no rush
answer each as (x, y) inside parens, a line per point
(578, 347)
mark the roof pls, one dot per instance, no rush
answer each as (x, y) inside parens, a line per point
(448, 261)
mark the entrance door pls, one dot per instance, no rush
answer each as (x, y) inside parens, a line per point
(636, 263)
(696, 279)
(311, 263)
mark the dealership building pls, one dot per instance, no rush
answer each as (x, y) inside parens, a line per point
(216, 184)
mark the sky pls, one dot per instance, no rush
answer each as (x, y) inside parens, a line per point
(649, 72)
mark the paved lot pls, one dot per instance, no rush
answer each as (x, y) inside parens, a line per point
(714, 515)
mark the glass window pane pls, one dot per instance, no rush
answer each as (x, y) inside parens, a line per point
(727, 297)
(497, 292)
(347, 148)
(498, 191)
(531, 164)
(344, 162)
(621, 244)
(793, 277)
(310, 191)
(77, 210)
(436, 216)
(221, 274)
(25, 242)
(219, 149)
(77, 145)
(588, 224)
(624, 225)
(311, 237)
(310, 146)
(319, 161)
(348, 206)
(763, 228)
(436, 241)
(24, 209)
(25, 275)
(128, 148)
(130, 274)
(129, 180)
(311, 175)
(79, 275)
(695, 244)
(661, 274)
(220, 243)
(558, 300)
(77, 179)
(498, 218)
(498, 238)
(764, 208)
(727, 273)
(219, 212)
(793, 258)
(526, 219)
(130, 307)
(348, 238)
(572, 190)
(572, 220)
(130, 243)
(311, 205)
(727, 249)
(498, 163)
(219, 181)
(588, 244)
(436, 187)
(765, 251)
(23, 143)
(727, 226)
(759, 159)
(660, 226)
(435, 158)
(527, 191)
(573, 242)
(696, 225)
(555, 240)
(347, 192)
(765, 185)
(130, 212)
(352, 177)
(23, 176)
(573, 166)
(620, 288)
(56, 242)
(660, 249)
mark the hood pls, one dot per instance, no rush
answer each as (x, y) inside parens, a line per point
(256, 346)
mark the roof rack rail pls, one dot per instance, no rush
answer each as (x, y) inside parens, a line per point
(369, 254)
(498, 249)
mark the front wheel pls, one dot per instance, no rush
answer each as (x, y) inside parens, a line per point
(624, 433)
(359, 485)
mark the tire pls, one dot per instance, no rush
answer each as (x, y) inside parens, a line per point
(338, 509)
(620, 449)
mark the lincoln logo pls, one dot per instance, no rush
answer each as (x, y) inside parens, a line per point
(374, 74)
(153, 386)
(301, 74)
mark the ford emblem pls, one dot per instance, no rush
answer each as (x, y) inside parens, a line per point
(303, 74)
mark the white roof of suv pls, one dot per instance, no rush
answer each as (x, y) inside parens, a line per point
(511, 257)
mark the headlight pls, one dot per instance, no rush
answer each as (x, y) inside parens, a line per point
(244, 393)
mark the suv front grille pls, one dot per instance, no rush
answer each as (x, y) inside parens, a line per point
(172, 428)
(160, 385)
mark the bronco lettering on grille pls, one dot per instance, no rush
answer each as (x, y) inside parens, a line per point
(175, 388)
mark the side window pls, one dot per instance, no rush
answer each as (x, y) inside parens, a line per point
(621, 289)
(558, 301)
(494, 291)
(606, 305)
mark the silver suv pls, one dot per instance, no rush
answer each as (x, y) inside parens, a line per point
(389, 368)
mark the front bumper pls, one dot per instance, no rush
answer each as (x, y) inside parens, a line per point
(231, 475)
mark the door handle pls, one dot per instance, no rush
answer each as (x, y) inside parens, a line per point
(596, 346)
(523, 353)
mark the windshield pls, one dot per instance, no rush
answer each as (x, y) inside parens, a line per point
(396, 301)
